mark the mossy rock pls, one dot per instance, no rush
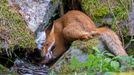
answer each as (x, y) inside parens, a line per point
(15, 26)
(98, 9)
(85, 45)
(113, 13)
(79, 49)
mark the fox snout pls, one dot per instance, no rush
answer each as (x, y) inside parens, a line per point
(46, 50)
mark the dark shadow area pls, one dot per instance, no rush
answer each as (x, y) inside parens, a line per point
(27, 54)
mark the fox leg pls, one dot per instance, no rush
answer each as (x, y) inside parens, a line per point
(74, 31)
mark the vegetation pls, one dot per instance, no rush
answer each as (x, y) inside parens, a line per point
(112, 12)
(14, 25)
(101, 8)
(14, 31)
(100, 62)
(5, 71)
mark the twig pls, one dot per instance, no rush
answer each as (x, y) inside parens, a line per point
(116, 23)
(128, 23)
(129, 43)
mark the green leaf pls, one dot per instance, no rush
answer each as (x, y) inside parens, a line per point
(109, 54)
(96, 49)
(107, 60)
(74, 61)
(52, 73)
(91, 56)
(132, 39)
(132, 66)
(115, 64)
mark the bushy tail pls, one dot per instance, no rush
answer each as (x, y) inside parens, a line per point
(112, 41)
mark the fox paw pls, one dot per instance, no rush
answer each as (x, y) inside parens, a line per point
(90, 35)
(94, 33)
(86, 36)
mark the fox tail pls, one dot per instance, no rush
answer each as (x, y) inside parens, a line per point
(112, 41)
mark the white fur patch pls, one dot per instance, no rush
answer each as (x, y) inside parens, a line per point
(41, 37)
(50, 47)
(49, 55)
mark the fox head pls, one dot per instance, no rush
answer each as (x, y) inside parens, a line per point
(45, 43)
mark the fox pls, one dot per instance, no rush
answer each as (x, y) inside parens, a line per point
(74, 25)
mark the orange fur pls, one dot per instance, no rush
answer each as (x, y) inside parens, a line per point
(76, 25)
(112, 41)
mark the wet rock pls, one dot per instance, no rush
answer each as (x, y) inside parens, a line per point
(23, 68)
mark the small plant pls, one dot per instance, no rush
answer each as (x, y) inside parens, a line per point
(52, 73)
(5, 71)
(102, 62)
(96, 63)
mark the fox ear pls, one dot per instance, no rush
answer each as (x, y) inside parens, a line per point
(41, 37)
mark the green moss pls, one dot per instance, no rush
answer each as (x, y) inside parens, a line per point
(13, 23)
(116, 10)
(95, 8)
(130, 51)
(85, 45)
(6, 71)
(54, 1)
(100, 8)
(67, 69)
